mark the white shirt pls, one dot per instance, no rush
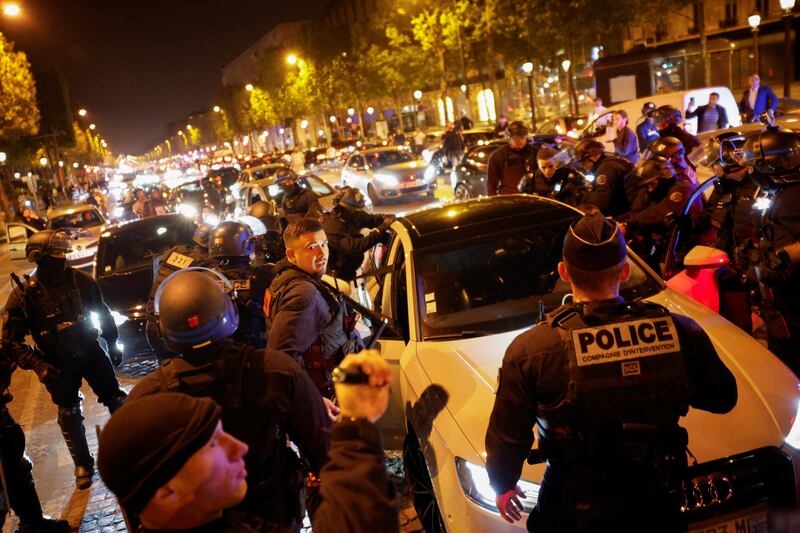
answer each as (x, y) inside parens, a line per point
(752, 97)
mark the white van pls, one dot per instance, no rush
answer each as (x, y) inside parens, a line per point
(601, 127)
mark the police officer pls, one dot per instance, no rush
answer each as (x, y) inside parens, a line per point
(174, 259)
(17, 474)
(550, 180)
(306, 318)
(231, 244)
(343, 228)
(668, 120)
(774, 157)
(269, 247)
(606, 186)
(646, 131)
(672, 149)
(54, 306)
(297, 202)
(266, 398)
(606, 380)
(510, 163)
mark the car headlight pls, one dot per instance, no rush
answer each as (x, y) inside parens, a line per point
(430, 173)
(119, 318)
(793, 438)
(762, 203)
(118, 212)
(474, 481)
(187, 210)
(387, 179)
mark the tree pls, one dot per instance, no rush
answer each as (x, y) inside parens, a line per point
(19, 113)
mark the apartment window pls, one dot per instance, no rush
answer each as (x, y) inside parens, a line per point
(486, 106)
(762, 6)
(731, 11)
(445, 111)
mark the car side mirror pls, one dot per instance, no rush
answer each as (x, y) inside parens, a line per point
(705, 257)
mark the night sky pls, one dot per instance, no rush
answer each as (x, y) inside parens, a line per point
(139, 64)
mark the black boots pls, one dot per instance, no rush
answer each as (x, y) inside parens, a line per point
(70, 419)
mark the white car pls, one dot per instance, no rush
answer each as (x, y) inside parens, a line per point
(461, 281)
(83, 221)
(392, 172)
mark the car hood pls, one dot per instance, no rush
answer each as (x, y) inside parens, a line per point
(768, 391)
(403, 168)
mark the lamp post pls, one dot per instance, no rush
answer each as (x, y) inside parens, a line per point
(566, 64)
(754, 20)
(787, 6)
(527, 68)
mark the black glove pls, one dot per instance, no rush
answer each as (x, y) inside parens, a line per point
(386, 223)
(114, 353)
(48, 374)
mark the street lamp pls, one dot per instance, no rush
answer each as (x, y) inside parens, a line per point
(787, 6)
(43, 161)
(291, 59)
(754, 20)
(351, 111)
(303, 124)
(12, 9)
(566, 64)
(332, 118)
(527, 68)
(82, 112)
(92, 127)
(370, 110)
(249, 87)
(418, 94)
(216, 109)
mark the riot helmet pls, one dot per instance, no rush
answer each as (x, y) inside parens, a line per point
(197, 309)
(773, 153)
(201, 234)
(285, 177)
(666, 115)
(668, 147)
(231, 239)
(267, 214)
(655, 167)
(648, 109)
(53, 243)
(518, 129)
(588, 148)
(350, 198)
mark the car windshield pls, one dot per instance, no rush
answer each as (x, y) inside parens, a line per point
(131, 249)
(79, 219)
(499, 282)
(481, 154)
(391, 157)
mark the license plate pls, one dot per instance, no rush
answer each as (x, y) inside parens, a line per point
(752, 522)
(412, 183)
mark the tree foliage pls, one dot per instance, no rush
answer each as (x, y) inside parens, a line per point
(19, 113)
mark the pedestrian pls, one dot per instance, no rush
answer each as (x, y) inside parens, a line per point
(29, 217)
(306, 318)
(296, 202)
(17, 480)
(453, 145)
(606, 186)
(139, 201)
(466, 122)
(501, 128)
(607, 420)
(511, 162)
(711, 116)
(756, 100)
(668, 120)
(192, 482)
(550, 180)
(55, 306)
(625, 143)
(598, 113)
(155, 204)
(298, 161)
(174, 259)
(265, 397)
(343, 227)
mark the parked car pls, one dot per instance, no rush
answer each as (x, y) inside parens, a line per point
(85, 223)
(460, 282)
(383, 173)
(570, 125)
(260, 172)
(267, 189)
(124, 270)
(202, 198)
(227, 175)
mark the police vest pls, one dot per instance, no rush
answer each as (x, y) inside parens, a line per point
(627, 384)
(176, 259)
(249, 304)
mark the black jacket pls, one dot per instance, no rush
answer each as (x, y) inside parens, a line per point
(608, 192)
(346, 242)
(301, 202)
(688, 140)
(506, 168)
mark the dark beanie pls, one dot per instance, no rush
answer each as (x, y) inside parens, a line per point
(594, 243)
(148, 440)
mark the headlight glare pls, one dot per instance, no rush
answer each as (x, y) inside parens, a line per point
(793, 438)
(474, 481)
(387, 179)
(430, 173)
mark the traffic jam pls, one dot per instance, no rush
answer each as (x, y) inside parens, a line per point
(412, 317)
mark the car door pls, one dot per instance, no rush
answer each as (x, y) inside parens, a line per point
(17, 237)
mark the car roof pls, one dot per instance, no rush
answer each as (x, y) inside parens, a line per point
(482, 216)
(69, 209)
(137, 225)
(382, 149)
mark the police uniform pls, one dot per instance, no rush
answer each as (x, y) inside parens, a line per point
(689, 141)
(251, 283)
(55, 312)
(17, 468)
(606, 382)
(308, 321)
(300, 202)
(646, 133)
(608, 192)
(506, 168)
(346, 243)
(562, 186)
(265, 398)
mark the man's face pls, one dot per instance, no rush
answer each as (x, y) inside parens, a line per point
(140, 196)
(547, 167)
(619, 122)
(712, 100)
(289, 184)
(754, 81)
(215, 475)
(598, 102)
(517, 141)
(309, 252)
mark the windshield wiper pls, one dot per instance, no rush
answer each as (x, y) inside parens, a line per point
(466, 334)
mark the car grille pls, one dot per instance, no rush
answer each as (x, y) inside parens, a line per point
(765, 475)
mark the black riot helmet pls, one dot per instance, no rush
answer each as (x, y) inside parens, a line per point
(648, 109)
(54, 243)
(200, 236)
(588, 148)
(666, 115)
(231, 239)
(668, 147)
(773, 153)
(350, 198)
(518, 129)
(266, 213)
(655, 167)
(284, 175)
(195, 309)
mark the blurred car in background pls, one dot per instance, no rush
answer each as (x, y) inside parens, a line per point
(384, 173)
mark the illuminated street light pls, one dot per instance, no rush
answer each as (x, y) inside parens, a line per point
(249, 87)
(351, 111)
(75, 165)
(61, 164)
(281, 131)
(321, 133)
(332, 118)
(527, 68)
(12, 9)
(291, 59)
(463, 88)
(3, 157)
(188, 126)
(43, 161)
(418, 94)
(217, 109)
(370, 110)
(303, 124)
(82, 112)
(754, 20)
(566, 64)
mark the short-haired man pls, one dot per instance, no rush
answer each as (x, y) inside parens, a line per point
(305, 317)
(608, 422)
(171, 464)
(757, 99)
(711, 116)
(598, 110)
(510, 163)
(625, 143)
(550, 180)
